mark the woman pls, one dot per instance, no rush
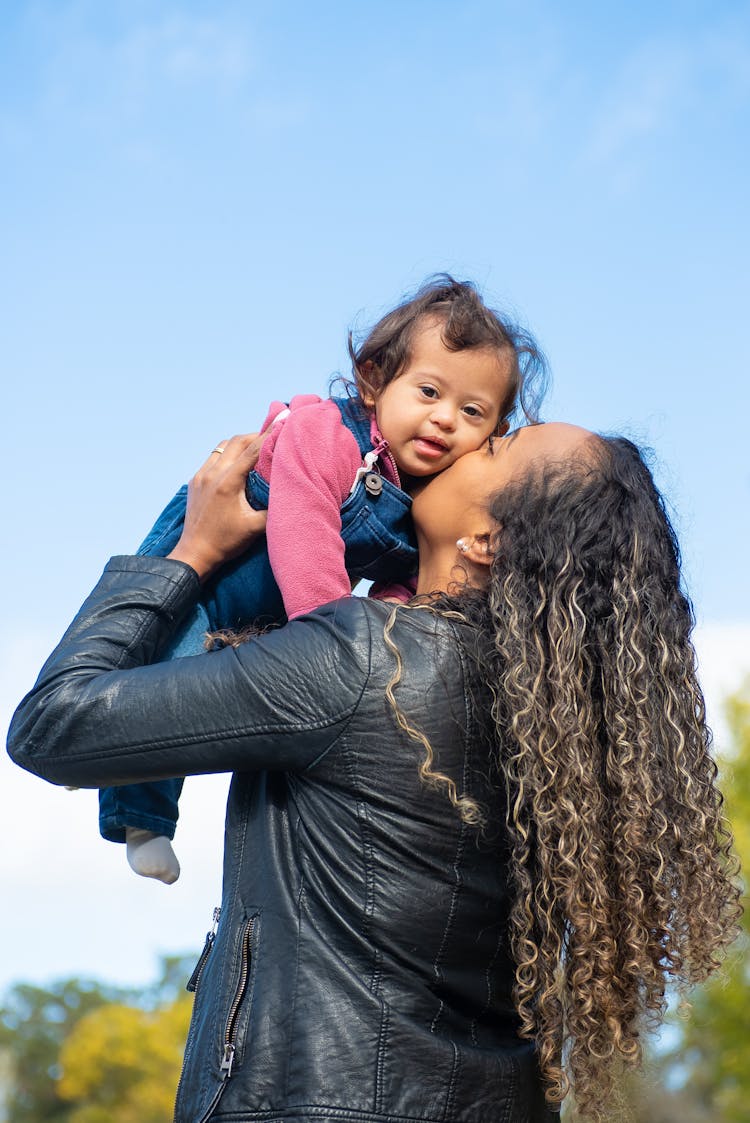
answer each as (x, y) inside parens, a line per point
(464, 839)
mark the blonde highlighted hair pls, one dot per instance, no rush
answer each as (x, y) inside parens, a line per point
(622, 870)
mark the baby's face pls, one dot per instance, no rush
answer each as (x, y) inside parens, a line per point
(443, 404)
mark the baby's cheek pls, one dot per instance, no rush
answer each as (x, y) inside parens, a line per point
(455, 455)
(474, 442)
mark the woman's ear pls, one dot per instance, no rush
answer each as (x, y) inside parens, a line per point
(476, 548)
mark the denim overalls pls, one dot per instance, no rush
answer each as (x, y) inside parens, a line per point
(380, 545)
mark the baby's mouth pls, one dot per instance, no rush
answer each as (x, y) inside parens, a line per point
(431, 446)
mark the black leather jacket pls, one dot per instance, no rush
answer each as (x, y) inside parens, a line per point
(360, 970)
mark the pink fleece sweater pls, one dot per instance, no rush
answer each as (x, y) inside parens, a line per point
(310, 460)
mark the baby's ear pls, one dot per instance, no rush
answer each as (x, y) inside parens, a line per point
(502, 428)
(365, 370)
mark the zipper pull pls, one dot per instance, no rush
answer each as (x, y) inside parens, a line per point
(192, 982)
(227, 1061)
(368, 467)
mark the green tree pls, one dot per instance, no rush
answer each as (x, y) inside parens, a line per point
(714, 1061)
(35, 1022)
(121, 1064)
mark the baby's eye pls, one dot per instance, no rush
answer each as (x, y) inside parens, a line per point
(428, 391)
(473, 411)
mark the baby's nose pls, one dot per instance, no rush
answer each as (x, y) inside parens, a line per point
(444, 416)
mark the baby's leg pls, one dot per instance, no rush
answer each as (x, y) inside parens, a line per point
(151, 855)
(145, 815)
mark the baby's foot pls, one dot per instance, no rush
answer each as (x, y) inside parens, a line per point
(151, 855)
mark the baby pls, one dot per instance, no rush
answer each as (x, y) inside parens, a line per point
(435, 378)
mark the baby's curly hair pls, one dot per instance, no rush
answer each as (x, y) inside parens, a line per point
(466, 323)
(622, 869)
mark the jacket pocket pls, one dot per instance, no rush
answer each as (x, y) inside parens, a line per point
(192, 983)
(235, 1027)
(220, 1018)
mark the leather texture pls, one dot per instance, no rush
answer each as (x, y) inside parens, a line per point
(360, 965)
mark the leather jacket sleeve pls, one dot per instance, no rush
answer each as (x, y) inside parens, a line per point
(100, 715)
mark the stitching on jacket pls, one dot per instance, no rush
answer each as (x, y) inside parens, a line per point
(468, 757)
(449, 921)
(471, 736)
(488, 977)
(246, 732)
(300, 898)
(452, 1083)
(461, 846)
(376, 976)
(380, 1056)
(324, 1112)
(365, 833)
(512, 1089)
(355, 706)
(368, 904)
(367, 908)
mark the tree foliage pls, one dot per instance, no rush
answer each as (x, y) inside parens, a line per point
(714, 1060)
(34, 1023)
(121, 1064)
(46, 1054)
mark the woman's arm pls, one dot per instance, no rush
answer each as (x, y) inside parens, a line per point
(99, 715)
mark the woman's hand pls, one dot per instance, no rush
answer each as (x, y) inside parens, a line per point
(219, 521)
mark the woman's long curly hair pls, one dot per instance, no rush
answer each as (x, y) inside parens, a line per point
(621, 862)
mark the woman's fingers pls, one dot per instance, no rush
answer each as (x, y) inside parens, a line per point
(219, 522)
(246, 445)
(243, 450)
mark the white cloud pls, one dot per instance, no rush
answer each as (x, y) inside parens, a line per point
(128, 79)
(186, 49)
(102, 72)
(665, 84)
(641, 100)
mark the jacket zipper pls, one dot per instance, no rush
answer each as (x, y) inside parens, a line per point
(230, 1032)
(195, 978)
(191, 985)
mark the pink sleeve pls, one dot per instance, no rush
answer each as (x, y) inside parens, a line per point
(268, 448)
(315, 458)
(401, 591)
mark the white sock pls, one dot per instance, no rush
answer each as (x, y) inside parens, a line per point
(151, 855)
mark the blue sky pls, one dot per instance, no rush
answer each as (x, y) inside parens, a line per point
(198, 199)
